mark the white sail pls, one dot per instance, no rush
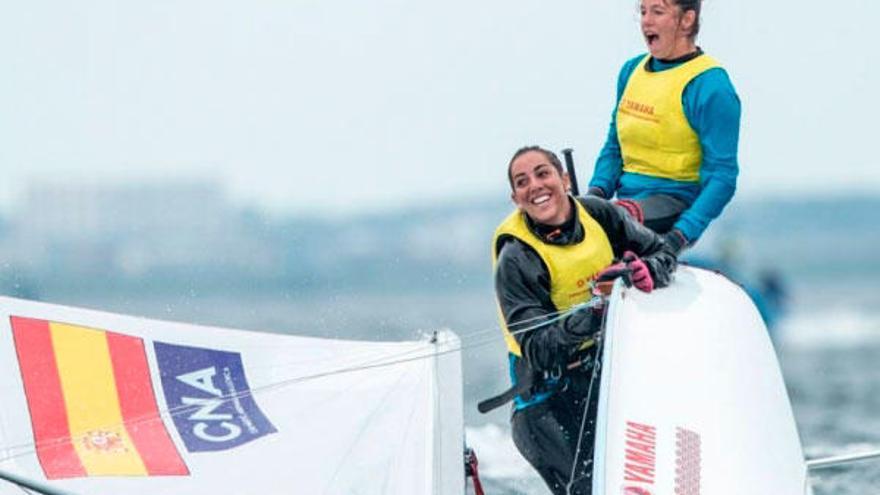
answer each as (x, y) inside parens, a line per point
(101, 403)
(692, 397)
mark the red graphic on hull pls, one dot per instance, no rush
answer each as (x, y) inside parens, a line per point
(639, 466)
(688, 457)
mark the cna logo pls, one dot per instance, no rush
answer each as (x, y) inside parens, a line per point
(209, 398)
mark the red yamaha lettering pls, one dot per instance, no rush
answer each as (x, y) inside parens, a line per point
(640, 458)
(637, 107)
(635, 472)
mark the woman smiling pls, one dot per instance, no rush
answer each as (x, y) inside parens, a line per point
(545, 254)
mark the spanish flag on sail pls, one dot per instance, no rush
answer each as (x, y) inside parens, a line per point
(91, 402)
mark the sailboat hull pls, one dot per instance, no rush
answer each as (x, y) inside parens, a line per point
(692, 397)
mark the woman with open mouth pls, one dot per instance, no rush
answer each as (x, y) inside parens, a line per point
(546, 256)
(671, 152)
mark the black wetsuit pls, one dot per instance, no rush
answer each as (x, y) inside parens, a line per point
(546, 431)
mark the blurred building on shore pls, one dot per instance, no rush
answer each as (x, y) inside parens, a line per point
(82, 236)
(189, 236)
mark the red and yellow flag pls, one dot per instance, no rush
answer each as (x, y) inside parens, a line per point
(91, 402)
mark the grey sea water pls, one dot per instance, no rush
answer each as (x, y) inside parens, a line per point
(828, 349)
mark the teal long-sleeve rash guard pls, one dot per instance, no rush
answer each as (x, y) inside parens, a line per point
(713, 110)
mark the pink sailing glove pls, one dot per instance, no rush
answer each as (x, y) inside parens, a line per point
(637, 269)
(639, 273)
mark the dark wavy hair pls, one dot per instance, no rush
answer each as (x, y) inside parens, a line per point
(551, 157)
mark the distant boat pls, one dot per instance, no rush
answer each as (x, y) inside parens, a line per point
(94, 402)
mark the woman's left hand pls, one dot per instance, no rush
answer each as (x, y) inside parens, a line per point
(639, 272)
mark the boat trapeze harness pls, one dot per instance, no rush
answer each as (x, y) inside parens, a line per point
(527, 386)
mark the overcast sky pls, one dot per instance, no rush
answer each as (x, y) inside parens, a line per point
(332, 105)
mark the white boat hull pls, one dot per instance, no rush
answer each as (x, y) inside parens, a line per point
(692, 397)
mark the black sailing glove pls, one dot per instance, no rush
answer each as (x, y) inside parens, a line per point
(675, 240)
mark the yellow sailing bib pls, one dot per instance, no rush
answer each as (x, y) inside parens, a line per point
(655, 136)
(571, 267)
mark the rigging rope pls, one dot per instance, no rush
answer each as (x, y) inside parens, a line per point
(597, 364)
(841, 460)
(29, 485)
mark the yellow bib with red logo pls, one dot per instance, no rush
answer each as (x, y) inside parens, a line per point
(655, 136)
(571, 267)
